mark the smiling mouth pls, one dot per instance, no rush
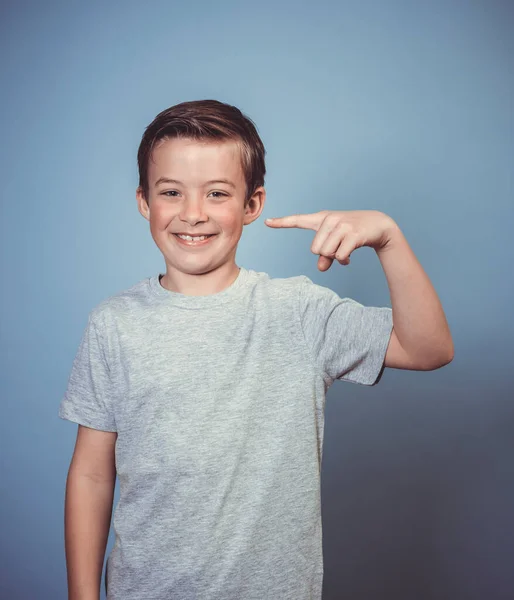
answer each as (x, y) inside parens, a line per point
(206, 239)
(196, 236)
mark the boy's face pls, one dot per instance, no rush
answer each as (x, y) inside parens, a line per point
(191, 205)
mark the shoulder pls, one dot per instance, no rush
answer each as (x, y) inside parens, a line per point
(123, 304)
(300, 289)
(279, 284)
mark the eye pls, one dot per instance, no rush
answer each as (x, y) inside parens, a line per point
(171, 194)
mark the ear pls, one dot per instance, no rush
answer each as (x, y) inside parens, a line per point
(142, 204)
(255, 206)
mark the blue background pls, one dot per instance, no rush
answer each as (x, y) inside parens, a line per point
(404, 107)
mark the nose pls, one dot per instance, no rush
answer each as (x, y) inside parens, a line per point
(193, 211)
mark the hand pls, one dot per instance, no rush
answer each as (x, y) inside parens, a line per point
(340, 232)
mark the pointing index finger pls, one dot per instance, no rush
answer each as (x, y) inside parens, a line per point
(308, 221)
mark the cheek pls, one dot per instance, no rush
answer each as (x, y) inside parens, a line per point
(231, 228)
(160, 216)
(231, 222)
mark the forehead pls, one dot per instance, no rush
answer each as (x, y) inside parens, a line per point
(191, 160)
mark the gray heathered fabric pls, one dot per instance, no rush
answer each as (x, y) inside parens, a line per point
(219, 402)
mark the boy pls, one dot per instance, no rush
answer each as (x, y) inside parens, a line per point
(203, 388)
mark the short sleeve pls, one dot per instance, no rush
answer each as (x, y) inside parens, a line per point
(89, 395)
(348, 341)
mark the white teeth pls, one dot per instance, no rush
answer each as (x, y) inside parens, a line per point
(194, 239)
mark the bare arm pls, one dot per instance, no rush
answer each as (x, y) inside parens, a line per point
(88, 507)
(421, 338)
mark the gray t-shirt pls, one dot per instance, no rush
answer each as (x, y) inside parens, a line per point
(218, 402)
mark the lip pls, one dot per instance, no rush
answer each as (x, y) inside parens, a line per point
(194, 244)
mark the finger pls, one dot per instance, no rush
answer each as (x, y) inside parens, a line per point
(321, 244)
(302, 221)
(324, 263)
(345, 249)
(335, 235)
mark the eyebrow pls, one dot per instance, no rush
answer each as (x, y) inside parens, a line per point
(167, 180)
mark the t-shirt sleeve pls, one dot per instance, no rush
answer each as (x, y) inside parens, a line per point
(90, 392)
(347, 340)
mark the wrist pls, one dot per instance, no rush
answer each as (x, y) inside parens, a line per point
(391, 235)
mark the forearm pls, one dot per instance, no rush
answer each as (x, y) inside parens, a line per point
(88, 509)
(418, 316)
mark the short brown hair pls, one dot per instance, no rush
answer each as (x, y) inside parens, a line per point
(206, 120)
